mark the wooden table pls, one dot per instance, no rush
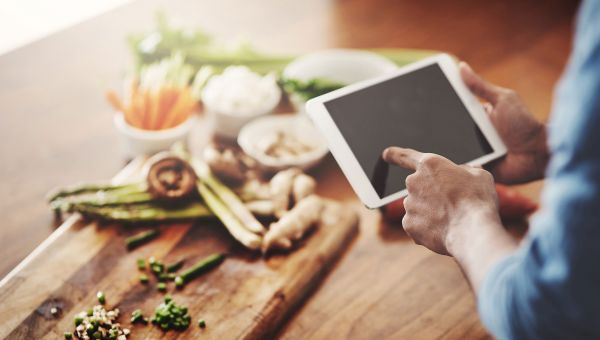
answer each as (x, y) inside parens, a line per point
(56, 129)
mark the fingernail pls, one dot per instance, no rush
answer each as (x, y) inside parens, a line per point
(386, 154)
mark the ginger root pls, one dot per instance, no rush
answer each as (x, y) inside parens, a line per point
(281, 188)
(294, 224)
(303, 186)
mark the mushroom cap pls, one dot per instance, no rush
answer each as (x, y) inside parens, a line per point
(170, 177)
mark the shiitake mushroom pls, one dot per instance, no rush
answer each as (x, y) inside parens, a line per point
(170, 177)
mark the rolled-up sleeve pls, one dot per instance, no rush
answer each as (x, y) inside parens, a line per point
(550, 289)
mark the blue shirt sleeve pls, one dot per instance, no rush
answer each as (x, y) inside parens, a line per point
(550, 289)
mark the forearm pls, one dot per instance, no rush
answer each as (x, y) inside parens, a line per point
(478, 244)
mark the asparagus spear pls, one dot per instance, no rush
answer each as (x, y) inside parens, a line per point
(146, 212)
(231, 200)
(86, 188)
(233, 225)
(102, 199)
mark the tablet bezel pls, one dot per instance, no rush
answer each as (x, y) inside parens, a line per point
(343, 154)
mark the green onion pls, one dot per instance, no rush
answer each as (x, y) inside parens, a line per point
(138, 317)
(101, 297)
(144, 279)
(141, 238)
(68, 335)
(202, 323)
(161, 286)
(178, 282)
(78, 320)
(201, 267)
(173, 267)
(168, 315)
(141, 264)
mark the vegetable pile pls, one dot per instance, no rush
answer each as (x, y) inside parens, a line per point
(98, 323)
(169, 316)
(160, 97)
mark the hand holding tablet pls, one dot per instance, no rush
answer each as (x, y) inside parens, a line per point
(424, 106)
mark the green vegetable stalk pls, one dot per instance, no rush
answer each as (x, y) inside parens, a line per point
(141, 238)
(200, 268)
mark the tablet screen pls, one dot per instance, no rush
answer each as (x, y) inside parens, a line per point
(418, 110)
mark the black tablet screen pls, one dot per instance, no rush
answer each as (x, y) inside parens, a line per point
(418, 110)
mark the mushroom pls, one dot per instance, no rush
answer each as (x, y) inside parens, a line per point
(170, 177)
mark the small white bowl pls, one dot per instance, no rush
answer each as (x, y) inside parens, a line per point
(345, 66)
(228, 125)
(299, 125)
(146, 142)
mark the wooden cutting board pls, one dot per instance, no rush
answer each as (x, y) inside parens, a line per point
(247, 296)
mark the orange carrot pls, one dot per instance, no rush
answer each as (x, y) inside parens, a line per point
(155, 99)
(180, 108)
(114, 100)
(171, 97)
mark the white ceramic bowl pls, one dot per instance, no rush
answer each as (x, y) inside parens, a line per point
(299, 125)
(228, 124)
(345, 66)
(146, 142)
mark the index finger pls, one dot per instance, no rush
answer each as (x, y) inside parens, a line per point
(402, 157)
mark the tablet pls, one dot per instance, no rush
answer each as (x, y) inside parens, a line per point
(423, 106)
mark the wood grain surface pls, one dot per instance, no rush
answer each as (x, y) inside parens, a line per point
(246, 297)
(56, 129)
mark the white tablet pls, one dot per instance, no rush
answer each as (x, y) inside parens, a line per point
(423, 106)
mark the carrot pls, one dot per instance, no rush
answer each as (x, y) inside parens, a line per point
(167, 103)
(114, 100)
(145, 110)
(155, 99)
(180, 108)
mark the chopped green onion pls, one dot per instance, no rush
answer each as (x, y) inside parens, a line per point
(201, 267)
(78, 320)
(202, 323)
(101, 297)
(141, 238)
(68, 335)
(178, 282)
(173, 267)
(144, 279)
(141, 264)
(161, 286)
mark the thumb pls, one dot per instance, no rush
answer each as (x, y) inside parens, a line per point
(480, 87)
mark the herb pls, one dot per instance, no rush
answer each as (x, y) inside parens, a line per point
(144, 279)
(202, 323)
(141, 238)
(178, 282)
(161, 286)
(169, 316)
(308, 89)
(138, 317)
(101, 297)
(173, 267)
(201, 267)
(68, 335)
(141, 264)
(98, 323)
